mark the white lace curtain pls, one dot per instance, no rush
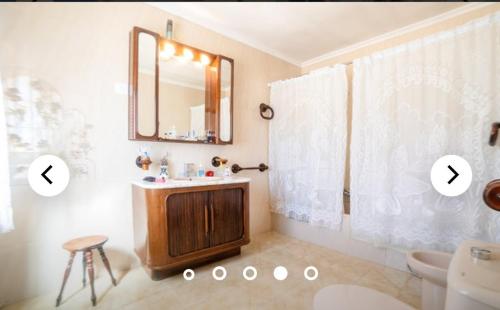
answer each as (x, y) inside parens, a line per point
(411, 105)
(6, 221)
(307, 140)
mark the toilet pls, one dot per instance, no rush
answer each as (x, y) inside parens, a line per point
(355, 297)
(432, 267)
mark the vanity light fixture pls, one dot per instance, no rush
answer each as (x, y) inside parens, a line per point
(204, 59)
(168, 50)
(188, 54)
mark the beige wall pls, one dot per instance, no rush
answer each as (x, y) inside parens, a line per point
(81, 50)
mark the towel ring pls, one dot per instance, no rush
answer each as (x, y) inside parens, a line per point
(263, 109)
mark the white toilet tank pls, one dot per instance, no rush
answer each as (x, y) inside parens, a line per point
(474, 283)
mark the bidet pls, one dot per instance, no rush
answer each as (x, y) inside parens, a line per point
(432, 267)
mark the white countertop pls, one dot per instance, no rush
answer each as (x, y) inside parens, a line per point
(184, 182)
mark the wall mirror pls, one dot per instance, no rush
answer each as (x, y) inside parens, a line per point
(146, 112)
(178, 93)
(226, 99)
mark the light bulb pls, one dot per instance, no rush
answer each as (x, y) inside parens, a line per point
(204, 59)
(188, 54)
(168, 50)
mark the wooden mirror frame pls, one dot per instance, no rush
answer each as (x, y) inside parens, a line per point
(212, 90)
(133, 121)
(219, 82)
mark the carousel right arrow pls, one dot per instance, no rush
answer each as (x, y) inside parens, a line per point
(455, 174)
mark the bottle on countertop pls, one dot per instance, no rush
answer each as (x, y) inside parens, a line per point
(201, 170)
(163, 177)
(189, 170)
(223, 170)
(227, 171)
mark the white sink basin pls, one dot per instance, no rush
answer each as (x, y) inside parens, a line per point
(197, 179)
(474, 283)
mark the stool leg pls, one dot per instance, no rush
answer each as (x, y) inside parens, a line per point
(90, 268)
(106, 264)
(84, 265)
(66, 276)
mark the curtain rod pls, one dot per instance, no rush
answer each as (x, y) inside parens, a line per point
(340, 63)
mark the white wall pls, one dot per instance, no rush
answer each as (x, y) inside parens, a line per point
(79, 54)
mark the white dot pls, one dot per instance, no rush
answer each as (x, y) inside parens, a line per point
(315, 273)
(451, 175)
(253, 272)
(221, 277)
(48, 175)
(280, 273)
(188, 274)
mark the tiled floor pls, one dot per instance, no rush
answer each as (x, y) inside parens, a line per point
(136, 291)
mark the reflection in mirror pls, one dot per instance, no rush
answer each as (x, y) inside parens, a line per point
(146, 90)
(226, 74)
(181, 99)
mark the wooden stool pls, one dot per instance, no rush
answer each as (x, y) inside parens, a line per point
(85, 245)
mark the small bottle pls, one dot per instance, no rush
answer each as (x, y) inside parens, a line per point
(201, 170)
(189, 170)
(227, 171)
(163, 177)
(221, 169)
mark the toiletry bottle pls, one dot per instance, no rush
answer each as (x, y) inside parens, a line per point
(227, 171)
(221, 169)
(189, 170)
(201, 170)
(163, 170)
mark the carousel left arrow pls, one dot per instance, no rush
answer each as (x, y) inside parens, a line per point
(53, 180)
(45, 176)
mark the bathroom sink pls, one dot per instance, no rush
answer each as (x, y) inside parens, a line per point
(198, 179)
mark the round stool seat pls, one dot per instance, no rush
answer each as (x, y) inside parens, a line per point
(355, 297)
(85, 243)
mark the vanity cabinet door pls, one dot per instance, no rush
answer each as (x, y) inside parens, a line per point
(226, 210)
(187, 223)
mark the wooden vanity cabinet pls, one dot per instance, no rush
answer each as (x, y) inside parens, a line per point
(227, 216)
(178, 228)
(187, 223)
